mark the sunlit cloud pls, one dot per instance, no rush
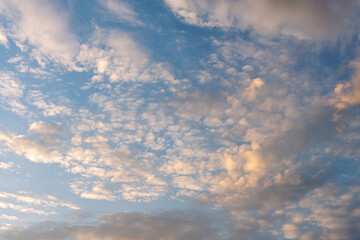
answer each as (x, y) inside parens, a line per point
(119, 118)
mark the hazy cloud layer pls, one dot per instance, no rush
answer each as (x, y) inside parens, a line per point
(167, 225)
(304, 19)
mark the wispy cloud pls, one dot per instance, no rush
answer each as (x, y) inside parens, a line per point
(121, 11)
(11, 92)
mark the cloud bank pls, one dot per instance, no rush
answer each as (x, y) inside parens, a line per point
(304, 19)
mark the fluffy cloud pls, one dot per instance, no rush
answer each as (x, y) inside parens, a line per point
(42, 144)
(40, 24)
(348, 94)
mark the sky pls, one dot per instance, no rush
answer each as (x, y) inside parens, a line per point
(179, 119)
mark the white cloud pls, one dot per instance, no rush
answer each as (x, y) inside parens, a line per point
(24, 209)
(6, 165)
(43, 128)
(3, 38)
(42, 25)
(187, 182)
(122, 60)
(11, 92)
(40, 146)
(34, 151)
(39, 100)
(99, 192)
(38, 200)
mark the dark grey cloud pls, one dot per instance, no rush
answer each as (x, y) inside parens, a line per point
(127, 225)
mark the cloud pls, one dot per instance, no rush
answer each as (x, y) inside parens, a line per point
(347, 94)
(122, 11)
(332, 208)
(39, 100)
(7, 217)
(41, 146)
(24, 209)
(265, 175)
(6, 165)
(43, 26)
(99, 192)
(11, 92)
(291, 231)
(274, 141)
(43, 128)
(250, 133)
(39, 200)
(194, 104)
(115, 55)
(304, 19)
(130, 225)
(3, 38)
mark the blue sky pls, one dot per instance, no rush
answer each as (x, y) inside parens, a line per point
(179, 119)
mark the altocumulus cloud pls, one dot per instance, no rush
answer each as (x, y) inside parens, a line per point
(247, 110)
